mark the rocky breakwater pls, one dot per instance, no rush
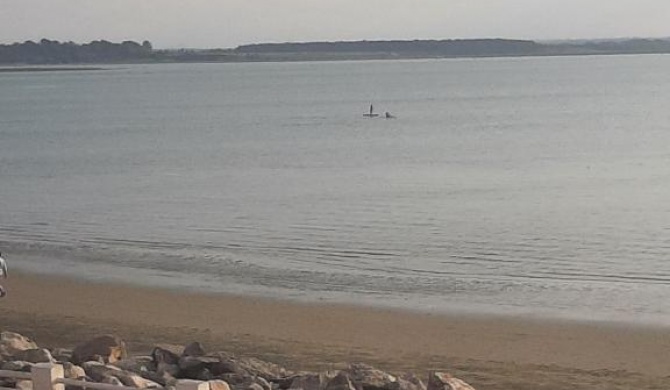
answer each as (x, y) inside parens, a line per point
(105, 360)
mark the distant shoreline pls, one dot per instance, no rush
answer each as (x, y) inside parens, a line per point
(103, 52)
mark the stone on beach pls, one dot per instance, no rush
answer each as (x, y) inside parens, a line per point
(167, 369)
(61, 354)
(17, 365)
(134, 380)
(256, 386)
(341, 381)
(410, 381)
(365, 377)
(218, 385)
(198, 367)
(136, 364)
(73, 371)
(24, 385)
(11, 343)
(257, 367)
(163, 355)
(104, 372)
(317, 381)
(194, 349)
(98, 371)
(444, 381)
(104, 360)
(36, 355)
(112, 380)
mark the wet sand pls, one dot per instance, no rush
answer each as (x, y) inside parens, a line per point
(487, 351)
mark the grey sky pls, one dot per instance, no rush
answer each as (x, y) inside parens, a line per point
(228, 23)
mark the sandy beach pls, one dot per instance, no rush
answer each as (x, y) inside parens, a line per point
(488, 352)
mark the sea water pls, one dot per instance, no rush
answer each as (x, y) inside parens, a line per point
(525, 186)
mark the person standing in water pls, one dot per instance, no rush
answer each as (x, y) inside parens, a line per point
(3, 274)
(371, 114)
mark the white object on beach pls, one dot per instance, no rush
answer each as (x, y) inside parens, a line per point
(3, 267)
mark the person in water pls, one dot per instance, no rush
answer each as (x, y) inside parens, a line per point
(371, 114)
(3, 274)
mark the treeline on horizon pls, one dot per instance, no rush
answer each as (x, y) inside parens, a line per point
(467, 47)
(53, 52)
(459, 47)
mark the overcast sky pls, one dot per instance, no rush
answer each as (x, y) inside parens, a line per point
(228, 23)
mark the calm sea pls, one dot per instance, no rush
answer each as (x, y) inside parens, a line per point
(530, 186)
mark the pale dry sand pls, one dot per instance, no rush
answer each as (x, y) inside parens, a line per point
(489, 352)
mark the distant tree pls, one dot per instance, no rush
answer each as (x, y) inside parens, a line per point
(54, 52)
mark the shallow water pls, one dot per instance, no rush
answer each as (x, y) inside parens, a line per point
(533, 186)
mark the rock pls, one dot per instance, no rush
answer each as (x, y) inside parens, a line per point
(111, 380)
(411, 382)
(444, 381)
(189, 362)
(245, 382)
(255, 386)
(17, 366)
(134, 380)
(310, 382)
(136, 364)
(365, 377)
(11, 343)
(72, 371)
(171, 385)
(204, 375)
(340, 382)
(263, 383)
(110, 347)
(263, 369)
(98, 371)
(197, 367)
(170, 369)
(194, 349)
(228, 366)
(103, 372)
(97, 359)
(218, 385)
(245, 367)
(38, 355)
(285, 383)
(61, 355)
(162, 355)
(162, 378)
(236, 381)
(24, 384)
